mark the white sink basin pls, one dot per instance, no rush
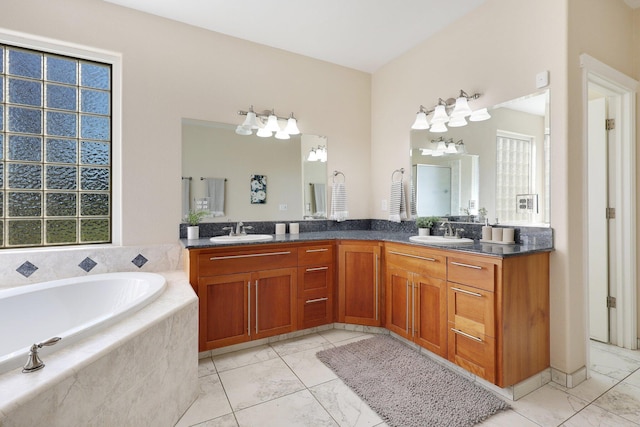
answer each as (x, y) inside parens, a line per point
(242, 239)
(439, 240)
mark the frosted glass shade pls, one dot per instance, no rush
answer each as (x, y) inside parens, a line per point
(438, 127)
(421, 121)
(292, 126)
(462, 108)
(480, 115)
(456, 122)
(264, 132)
(439, 115)
(272, 124)
(241, 130)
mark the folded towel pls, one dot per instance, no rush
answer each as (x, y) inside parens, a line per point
(397, 204)
(215, 192)
(339, 202)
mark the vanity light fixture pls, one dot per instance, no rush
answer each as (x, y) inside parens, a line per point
(266, 124)
(451, 111)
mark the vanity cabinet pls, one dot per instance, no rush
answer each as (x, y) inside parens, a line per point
(359, 283)
(498, 315)
(245, 294)
(416, 295)
(315, 285)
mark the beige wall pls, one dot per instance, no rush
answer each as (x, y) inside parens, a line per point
(173, 71)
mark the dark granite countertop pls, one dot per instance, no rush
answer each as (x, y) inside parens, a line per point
(493, 249)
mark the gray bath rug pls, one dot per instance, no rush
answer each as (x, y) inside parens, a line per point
(406, 388)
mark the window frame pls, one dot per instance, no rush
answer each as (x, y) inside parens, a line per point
(114, 59)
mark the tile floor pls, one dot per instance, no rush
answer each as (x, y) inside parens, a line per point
(284, 384)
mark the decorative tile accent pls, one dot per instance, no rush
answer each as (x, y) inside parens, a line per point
(26, 269)
(139, 261)
(87, 264)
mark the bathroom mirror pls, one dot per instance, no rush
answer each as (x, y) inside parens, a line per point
(214, 150)
(504, 167)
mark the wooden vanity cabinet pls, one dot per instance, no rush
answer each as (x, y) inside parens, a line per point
(416, 295)
(359, 291)
(498, 315)
(245, 294)
(315, 284)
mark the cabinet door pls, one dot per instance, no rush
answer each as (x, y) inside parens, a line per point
(471, 330)
(399, 302)
(430, 329)
(224, 308)
(359, 284)
(273, 301)
(315, 295)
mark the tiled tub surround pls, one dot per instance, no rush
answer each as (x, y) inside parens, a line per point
(26, 266)
(141, 371)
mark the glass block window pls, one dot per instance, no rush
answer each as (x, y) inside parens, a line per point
(514, 175)
(55, 149)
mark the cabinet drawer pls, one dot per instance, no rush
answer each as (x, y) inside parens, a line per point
(475, 355)
(471, 272)
(422, 262)
(316, 254)
(246, 260)
(470, 310)
(315, 310)
(312, 278)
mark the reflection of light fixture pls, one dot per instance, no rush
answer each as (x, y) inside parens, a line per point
(317, 154)
(266, 124)
(442, 147)
(459, 110)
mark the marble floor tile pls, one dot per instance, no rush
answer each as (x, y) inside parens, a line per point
(297, 409)
(309, 369)
(344, 405)
(206, 367)
(238, 359)
(592, 416)
(258, 383)
(507, 419)
(622, 400)
(592, 388)
(211, 403)
(337, 335)
(613, 363)
(223, 421)
(548, 406)
(299, 344)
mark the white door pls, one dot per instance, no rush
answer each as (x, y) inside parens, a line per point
(598, 269)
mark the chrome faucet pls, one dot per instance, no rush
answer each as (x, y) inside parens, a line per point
(33, 362)
(448, 230)
(240, 229)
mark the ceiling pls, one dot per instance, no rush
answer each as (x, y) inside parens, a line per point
(359, 34)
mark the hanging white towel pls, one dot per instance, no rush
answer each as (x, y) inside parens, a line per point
(339, 202)
(215, 192)
(397, 204)
(319, 209)
(186, 196)
(413, 211)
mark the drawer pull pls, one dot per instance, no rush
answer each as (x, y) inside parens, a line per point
(464, 334)
(475, 294)
(317, 269)
(248, 255)
(317, 250)
(310, 301)
(459, 264)
(413, 256)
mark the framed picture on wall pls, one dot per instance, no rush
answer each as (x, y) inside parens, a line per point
(258, 189)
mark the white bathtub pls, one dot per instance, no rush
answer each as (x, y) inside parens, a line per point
(70, 308)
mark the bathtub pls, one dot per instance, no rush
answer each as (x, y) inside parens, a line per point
(70, 308)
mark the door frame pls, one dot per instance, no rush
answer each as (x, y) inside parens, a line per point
(623, 103)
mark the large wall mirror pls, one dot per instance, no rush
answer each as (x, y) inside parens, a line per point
(501, 165)
(262, 179)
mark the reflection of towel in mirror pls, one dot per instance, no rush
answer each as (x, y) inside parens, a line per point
(186, 196)
(339, 202)
(318, 205)
(215, 192)
(413, 211)
(397, 205)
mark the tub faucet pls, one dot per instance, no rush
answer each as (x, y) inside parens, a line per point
(33, 362)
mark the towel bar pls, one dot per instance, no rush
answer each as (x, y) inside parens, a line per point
(401, 170)
(336, 173)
